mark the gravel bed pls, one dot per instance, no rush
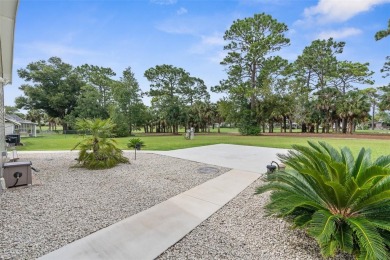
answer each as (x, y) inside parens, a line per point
(74, 202)
(240, 230)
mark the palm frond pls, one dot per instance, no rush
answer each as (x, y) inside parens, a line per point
(323, 228)
(344, 203)
(383, 161)
(344, 236)
(370, 241)
(362, 162)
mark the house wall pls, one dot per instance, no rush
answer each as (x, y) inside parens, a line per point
(9, 128)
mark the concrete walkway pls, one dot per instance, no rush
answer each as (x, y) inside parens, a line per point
(240, 157)
(149, 233)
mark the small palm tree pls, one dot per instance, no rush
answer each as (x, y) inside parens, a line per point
(344, 203)
(134, 142)
(97, 150)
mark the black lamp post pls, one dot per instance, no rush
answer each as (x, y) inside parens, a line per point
(136, 147)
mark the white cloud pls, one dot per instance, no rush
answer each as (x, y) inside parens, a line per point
(214, 40)
(217, 57)
(55, 49)
(182, 11)
(339, 10)
(164, 2)
(208, 43)
(339, 34)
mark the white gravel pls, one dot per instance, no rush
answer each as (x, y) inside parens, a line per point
(240, 230)
(74, 202)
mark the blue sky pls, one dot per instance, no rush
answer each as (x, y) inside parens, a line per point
(187, 34)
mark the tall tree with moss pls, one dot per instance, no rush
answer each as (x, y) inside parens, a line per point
(251, 44)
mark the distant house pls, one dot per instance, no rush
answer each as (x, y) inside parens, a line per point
(380, 125)
(17, 125)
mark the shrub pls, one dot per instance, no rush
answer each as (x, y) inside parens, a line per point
(97, 150)
(248, 124)
(343, 202)
(134, 141)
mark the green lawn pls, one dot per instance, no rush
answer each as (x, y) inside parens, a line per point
(170, 142)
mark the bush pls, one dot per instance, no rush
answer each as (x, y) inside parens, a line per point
(97, 150)
(248, 124)
(343, 202)
(249, 129)
(134, 141)
(121, 128)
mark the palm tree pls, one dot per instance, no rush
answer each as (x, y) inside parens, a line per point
(358, 107)
(97, 150)
(36, 115)
(343, 202)
(326, 103)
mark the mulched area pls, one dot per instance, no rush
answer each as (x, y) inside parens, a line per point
(332, 135)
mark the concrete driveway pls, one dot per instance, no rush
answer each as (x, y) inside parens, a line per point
(240, 157)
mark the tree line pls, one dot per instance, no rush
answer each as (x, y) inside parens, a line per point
(262, 89)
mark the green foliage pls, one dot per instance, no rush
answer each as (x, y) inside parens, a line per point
(97, 150)
(128, 110)
(134, 141)
(249, 129)
(99, 78)
(248, 124)
(250, 62)
(121, 128)
(383, 33)
(56, 86)
(384, 99)
(342, 201)
(88, 104)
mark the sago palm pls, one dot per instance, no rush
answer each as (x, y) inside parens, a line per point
(97, 149)
(343, 202)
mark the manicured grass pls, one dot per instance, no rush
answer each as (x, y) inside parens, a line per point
(170, 142)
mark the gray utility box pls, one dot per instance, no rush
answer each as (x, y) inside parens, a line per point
(17, 174)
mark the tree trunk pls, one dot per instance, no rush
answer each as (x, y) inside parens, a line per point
(253, 82)
(64, 128)
(344, 125)
(373, 114)
(270, 126)
(350, 125)
(304, 127)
